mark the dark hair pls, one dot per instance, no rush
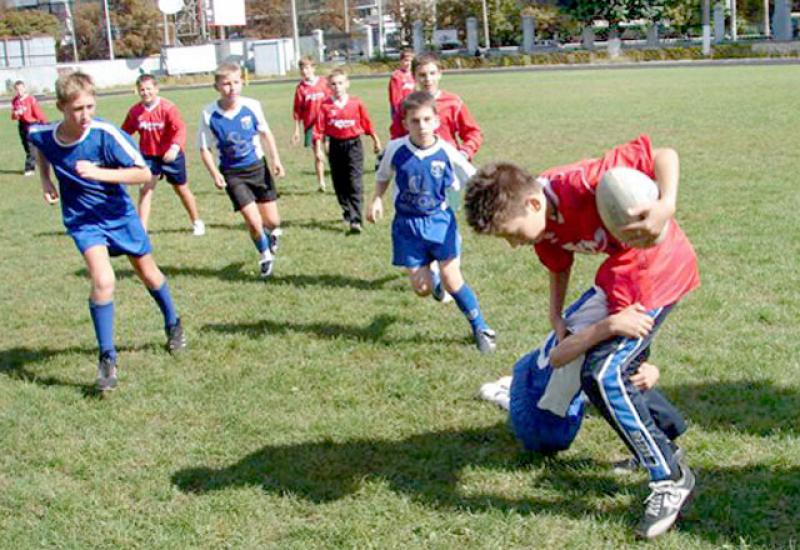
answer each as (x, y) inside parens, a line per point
(18, 82)
(426, 59)
(338, 72)
(496, 193)
(146, 77)
(417, 100)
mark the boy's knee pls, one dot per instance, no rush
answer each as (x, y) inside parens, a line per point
(103, 286)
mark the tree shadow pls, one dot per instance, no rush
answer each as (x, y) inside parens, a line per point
(375, 332)
(755, 503)
(757, 407)
(331, 225)
(59, 233)
(16, 172)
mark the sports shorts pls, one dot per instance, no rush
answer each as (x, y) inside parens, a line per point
(249, 184)
(308, 138)
(174, 172)
(419, 240)
(129, 238)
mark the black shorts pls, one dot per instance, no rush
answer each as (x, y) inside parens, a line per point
(249, 184)
(174, 172)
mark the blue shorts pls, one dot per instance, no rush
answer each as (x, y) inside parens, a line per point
(129, 239)
(174, 172)
(417, 241)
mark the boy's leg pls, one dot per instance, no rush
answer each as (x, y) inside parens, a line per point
(255, 226)
(340, 175)
(152, 277)
(187, 199)
(467, 302)
(319, 164)
(271, 220)
(354, 181)
(145, 200)
(30, 162)
(101, 309)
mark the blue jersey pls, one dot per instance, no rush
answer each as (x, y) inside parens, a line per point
(87, 202)
(235, 133)
(422, 176)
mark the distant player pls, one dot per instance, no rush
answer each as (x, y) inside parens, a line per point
(424, 229)
(343, 119)
(93, 160)
(237, 127)
(308, 96)
(402, 82)
(26, 111)
(456, 124)
(162, 140)
(556, 213)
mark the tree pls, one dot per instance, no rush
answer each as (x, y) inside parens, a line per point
(138, 32)
(28, 23)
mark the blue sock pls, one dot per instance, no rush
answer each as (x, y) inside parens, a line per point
(436, 278)
(163, 298)
(468, 304)
(261, 242)
(103, 320)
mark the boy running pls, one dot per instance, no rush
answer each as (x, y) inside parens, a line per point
(401, 83)
(92, 160)
(343, 119)
(162, 140)
(556, 212)
(26, 111)
(424, 229)
(236, 125)
(308, 97)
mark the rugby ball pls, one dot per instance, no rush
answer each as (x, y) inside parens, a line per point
(619, 190)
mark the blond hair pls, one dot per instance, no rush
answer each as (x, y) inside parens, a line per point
(69, 85)
(226, 69)
(338, 72)
(306, 60)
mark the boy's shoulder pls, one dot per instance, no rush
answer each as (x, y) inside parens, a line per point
(38, 132)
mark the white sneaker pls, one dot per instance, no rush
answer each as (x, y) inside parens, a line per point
(497, 392)
(28, 173)
(664, 504)
(198, 228)
(321, 187)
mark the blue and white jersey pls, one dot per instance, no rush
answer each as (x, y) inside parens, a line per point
(88, 202)
(423, 175)
(235, 133)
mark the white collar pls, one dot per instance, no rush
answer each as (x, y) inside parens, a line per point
(342, 101)
(72, 143)
(152, 106)
(312, 82)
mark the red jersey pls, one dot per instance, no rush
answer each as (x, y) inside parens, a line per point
(655, 276)
(400, 85)
(26, 109)
(160, 126)
(307, 99)
(455, 121)
(343, 119)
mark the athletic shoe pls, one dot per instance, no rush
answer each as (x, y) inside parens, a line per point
(485, 339)
(440, 294)
(273, 241)
(28, 173)
(497, 392)
(106, 373)
(630, 465)
(265, 266)
(198, 228)
(355, 228)
(664, 504)
(176, 339)
(321, 187)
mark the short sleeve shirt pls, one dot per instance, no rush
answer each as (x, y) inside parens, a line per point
(235, 133)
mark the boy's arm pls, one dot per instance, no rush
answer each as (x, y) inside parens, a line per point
(208, 161)
(654, 216)
(134, 175)
(375, 211)
(271, 148)
(469, 132)
(297, 114)
(37, 111)
(559, 282)
(129, 124)
(366, 123)
(631, 322)
(177, 134)
(48, 189)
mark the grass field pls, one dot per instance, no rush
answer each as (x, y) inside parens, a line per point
(331, 408)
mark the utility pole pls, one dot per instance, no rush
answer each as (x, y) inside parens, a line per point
(108, 32)
(295, 33)
(485, 25)
(347, 17)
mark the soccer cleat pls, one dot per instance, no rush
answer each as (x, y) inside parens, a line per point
(106, 373)
(273, 240)
(485, 339)
(28, 173)
(176, 339)
(440, 294)
(664, 504)
(631, 465)
(355, 228)
(265, 266)
(198, 228)
(321, 187)
(497, 392)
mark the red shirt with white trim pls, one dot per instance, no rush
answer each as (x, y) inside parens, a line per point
(160, 126)
(400, 85)
(26, 109)
(456, 124)
(345, 119)
(308, 97)
(655, 276)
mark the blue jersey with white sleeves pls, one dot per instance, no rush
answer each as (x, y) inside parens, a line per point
(83, 201)
(235, 133)
(422, 176)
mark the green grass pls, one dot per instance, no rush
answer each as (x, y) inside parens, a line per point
(329, 407)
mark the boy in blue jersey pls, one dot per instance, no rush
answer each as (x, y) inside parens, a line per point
(92, 160)
(236, 125)
(424, 229)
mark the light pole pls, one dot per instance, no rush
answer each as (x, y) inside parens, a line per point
(346, 18)
(296, 34)
(108, 32)
(485, 25)
(380, 28)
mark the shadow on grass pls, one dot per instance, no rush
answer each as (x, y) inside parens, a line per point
(330, 225)
(375, 332)
(756, 504)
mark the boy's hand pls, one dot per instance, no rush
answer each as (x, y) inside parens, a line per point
(376, 148)
(50, 192)
(295, 138)
(375, 211)
(646, 377)
(559, 327)
(652, 219)
(171, 155)
(631, 322)
(277, 170)
(219, 181)
(87, 170)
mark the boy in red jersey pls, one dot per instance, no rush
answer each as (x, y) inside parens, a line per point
(456, 124)
(26, 111)
(344, 119)
(401, 82)
(309, 95)
(162, 139)
(557, 213)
